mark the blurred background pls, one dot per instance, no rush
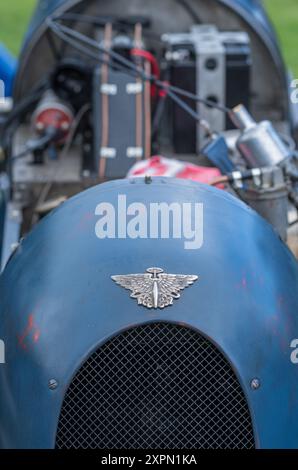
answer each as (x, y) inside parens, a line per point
(15, 14)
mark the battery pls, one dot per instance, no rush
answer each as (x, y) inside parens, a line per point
(216, 66)
(115, 143)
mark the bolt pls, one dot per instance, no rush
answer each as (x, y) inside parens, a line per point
(15, 214)
(86, 173)
(19, 197)
(77, 88)
(40, 126)
(14, 247)
(211, 64)
(255, 384)
(53, 384)
(65, 126)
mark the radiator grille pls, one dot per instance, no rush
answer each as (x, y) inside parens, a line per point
(155, 386)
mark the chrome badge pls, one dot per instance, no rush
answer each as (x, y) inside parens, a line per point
(155, 289)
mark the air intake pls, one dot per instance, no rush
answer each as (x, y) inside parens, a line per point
(155, 386)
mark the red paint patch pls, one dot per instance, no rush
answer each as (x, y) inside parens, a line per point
(242, 284)
(36, 336)
(30, 334)
(85, 220)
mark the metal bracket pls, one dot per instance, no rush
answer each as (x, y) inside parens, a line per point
(134, 88)
(108, 152)
(237, 179)
(134, 152)
(211, 76)
(109, 89)
(12, 230)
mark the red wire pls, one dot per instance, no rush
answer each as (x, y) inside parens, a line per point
(154, 64)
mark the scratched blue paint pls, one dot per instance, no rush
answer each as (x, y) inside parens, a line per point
(245, 301)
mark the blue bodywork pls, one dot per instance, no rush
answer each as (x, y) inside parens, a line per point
(8, 68)
(3, 213)
(59, 304)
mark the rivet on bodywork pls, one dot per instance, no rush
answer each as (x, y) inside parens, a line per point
(53, 384)
(255, 384)
(14, 247)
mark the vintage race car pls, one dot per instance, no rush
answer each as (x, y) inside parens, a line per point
(149, 311)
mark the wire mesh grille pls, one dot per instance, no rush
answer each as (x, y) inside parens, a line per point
(155, 386)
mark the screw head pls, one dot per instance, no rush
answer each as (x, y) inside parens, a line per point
(40, 126)
(86, 173)
(255, 384)
(65, 126)
(53, 384)
(14, 247)
(15, 214)
(211, 64)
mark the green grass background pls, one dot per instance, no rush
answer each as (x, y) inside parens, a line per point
(15, 15)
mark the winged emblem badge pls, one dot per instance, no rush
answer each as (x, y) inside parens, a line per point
(155, 288)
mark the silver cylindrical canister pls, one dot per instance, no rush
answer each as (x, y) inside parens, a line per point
(272, 204)
(259, 144)
(270, 199)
